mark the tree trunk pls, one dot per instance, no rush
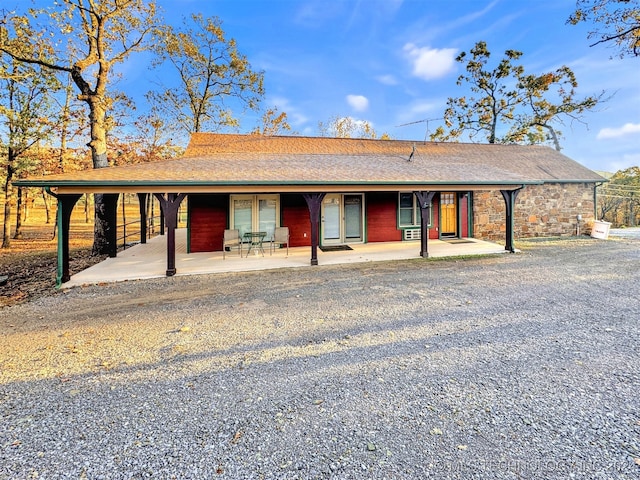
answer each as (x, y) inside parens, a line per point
(19, 212)
(8, 198)
(26, 204)
(47, 206)
(6, 234)
(98, 145)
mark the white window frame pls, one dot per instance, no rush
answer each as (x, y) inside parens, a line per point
(255, 205)
(415, 215)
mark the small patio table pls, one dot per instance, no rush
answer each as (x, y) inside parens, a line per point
(255, 241)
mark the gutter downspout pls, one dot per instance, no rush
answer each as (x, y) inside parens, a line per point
(595, 199)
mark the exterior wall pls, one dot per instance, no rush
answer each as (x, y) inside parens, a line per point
(207, 221)
(209, 216)
(294, 213)
(464, 215)
(382, 217)
(434, 230)
(540, 210)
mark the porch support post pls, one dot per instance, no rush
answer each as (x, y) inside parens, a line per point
(314, 202)
(509, 200)
(142, 202)
(111, 214)
(169, 204)
(162, 222)
(459, 212)
(424, 200)
(65, 207)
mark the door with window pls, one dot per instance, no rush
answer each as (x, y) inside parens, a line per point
(448, 214)
(255, 213)
(342, 219)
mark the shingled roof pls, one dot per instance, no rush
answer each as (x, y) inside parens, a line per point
(213, 161)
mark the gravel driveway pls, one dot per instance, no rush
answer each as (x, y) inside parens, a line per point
(506, 367)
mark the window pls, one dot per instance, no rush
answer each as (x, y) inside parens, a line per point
(409, 211)
(255, 213)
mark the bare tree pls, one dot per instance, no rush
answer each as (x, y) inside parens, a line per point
(27, 116)
(273, 122)
(508, 106)
(211, 75)
(98, 34)
(614, 22)
(349, 127)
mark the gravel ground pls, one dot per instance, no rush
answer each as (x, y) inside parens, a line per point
(505, 367)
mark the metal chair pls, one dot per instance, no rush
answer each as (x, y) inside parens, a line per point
(280, 237)
(230, 240)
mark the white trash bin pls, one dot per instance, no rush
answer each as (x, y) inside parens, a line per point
(600, 229)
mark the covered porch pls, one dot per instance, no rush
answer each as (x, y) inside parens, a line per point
(148, 260)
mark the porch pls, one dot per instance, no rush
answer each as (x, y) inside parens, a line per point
(150, 260)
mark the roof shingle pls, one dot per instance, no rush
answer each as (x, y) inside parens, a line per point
(222, 159)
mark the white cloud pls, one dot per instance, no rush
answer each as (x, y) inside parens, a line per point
(294, 115)
(358, 102)
(423, 107)
(430, 63)
(387, 79)
(626, 129)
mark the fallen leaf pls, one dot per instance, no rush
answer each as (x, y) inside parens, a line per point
(237, 436)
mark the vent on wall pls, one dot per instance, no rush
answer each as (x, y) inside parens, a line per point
(412, 234)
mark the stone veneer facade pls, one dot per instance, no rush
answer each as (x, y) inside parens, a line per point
(545, 210)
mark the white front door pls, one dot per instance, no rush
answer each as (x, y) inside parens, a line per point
(342, 219)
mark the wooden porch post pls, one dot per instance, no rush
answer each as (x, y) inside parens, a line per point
(142, 202)
(314, 202)
(169, 204)
(424, 200)
(111, 214)
(65, 207)
(509, 200)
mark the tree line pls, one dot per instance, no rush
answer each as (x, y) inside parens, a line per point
(58, 70)
(619, 198)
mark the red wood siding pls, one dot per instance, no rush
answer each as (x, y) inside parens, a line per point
(207, 221)
(434, 231)
(294, 213)
(464, 215)
(208, 217)
(382, 217)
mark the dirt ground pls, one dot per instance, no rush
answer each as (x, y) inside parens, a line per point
(30, 262)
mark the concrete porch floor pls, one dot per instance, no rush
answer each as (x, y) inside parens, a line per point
(150, 260)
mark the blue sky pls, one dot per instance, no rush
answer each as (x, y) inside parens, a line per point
(391, 62)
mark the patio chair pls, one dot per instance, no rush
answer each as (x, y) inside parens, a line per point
(231, 239)
(280, 237)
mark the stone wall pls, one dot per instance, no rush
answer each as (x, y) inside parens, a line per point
(545, 210)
